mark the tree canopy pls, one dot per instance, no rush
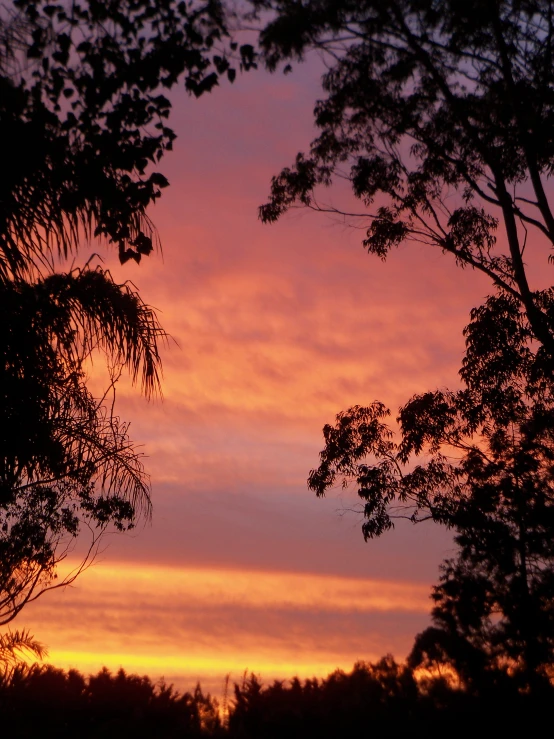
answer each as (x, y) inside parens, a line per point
(41, 699)
(83, 117)
(386, 696)
(83, 127)
(439, 114)
(479, 461)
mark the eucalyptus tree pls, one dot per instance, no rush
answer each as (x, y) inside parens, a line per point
(479, 461)
(440, 115)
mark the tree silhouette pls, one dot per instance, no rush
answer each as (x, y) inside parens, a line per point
(440, 117)
(66, 460)
(44, 700)
(486, 471)
(439, 114)
(83, 120)
(15, 646)
(83, 127)
(384, 696)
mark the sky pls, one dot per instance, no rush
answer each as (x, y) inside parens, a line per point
(274, 330)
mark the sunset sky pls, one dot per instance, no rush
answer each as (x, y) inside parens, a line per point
(274, 330)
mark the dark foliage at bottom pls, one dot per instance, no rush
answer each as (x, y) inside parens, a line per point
(382, 700)
(45, 701)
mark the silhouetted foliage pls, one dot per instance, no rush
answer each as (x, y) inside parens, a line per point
(83, 126)
(45, 701)
(83, 117)
(486, 471)
(66, 461)
(383, 699)
(15, 647)
(336, 706)
(440, 114)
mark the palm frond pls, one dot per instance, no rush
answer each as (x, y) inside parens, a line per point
(85, 310)
(15, 646)
(67, 463)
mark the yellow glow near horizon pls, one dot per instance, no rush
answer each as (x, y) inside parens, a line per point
(200, 623)
(201, 666)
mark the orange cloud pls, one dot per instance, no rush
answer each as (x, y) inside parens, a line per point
(191, 622)
(278, 328)
(255, 589)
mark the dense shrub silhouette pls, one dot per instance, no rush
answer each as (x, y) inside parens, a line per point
(384, 699)
(46, 701)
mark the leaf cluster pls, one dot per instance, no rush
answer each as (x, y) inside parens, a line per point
(83, 117)
(14, 646)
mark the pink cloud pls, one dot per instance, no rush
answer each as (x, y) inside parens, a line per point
(278, 329)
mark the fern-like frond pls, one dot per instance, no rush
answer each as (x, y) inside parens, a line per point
(17, 645)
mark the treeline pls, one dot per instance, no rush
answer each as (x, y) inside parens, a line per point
(46, 701)
(383, 699)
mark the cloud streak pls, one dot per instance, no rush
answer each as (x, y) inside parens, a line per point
(278, 329)
(188, 622)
